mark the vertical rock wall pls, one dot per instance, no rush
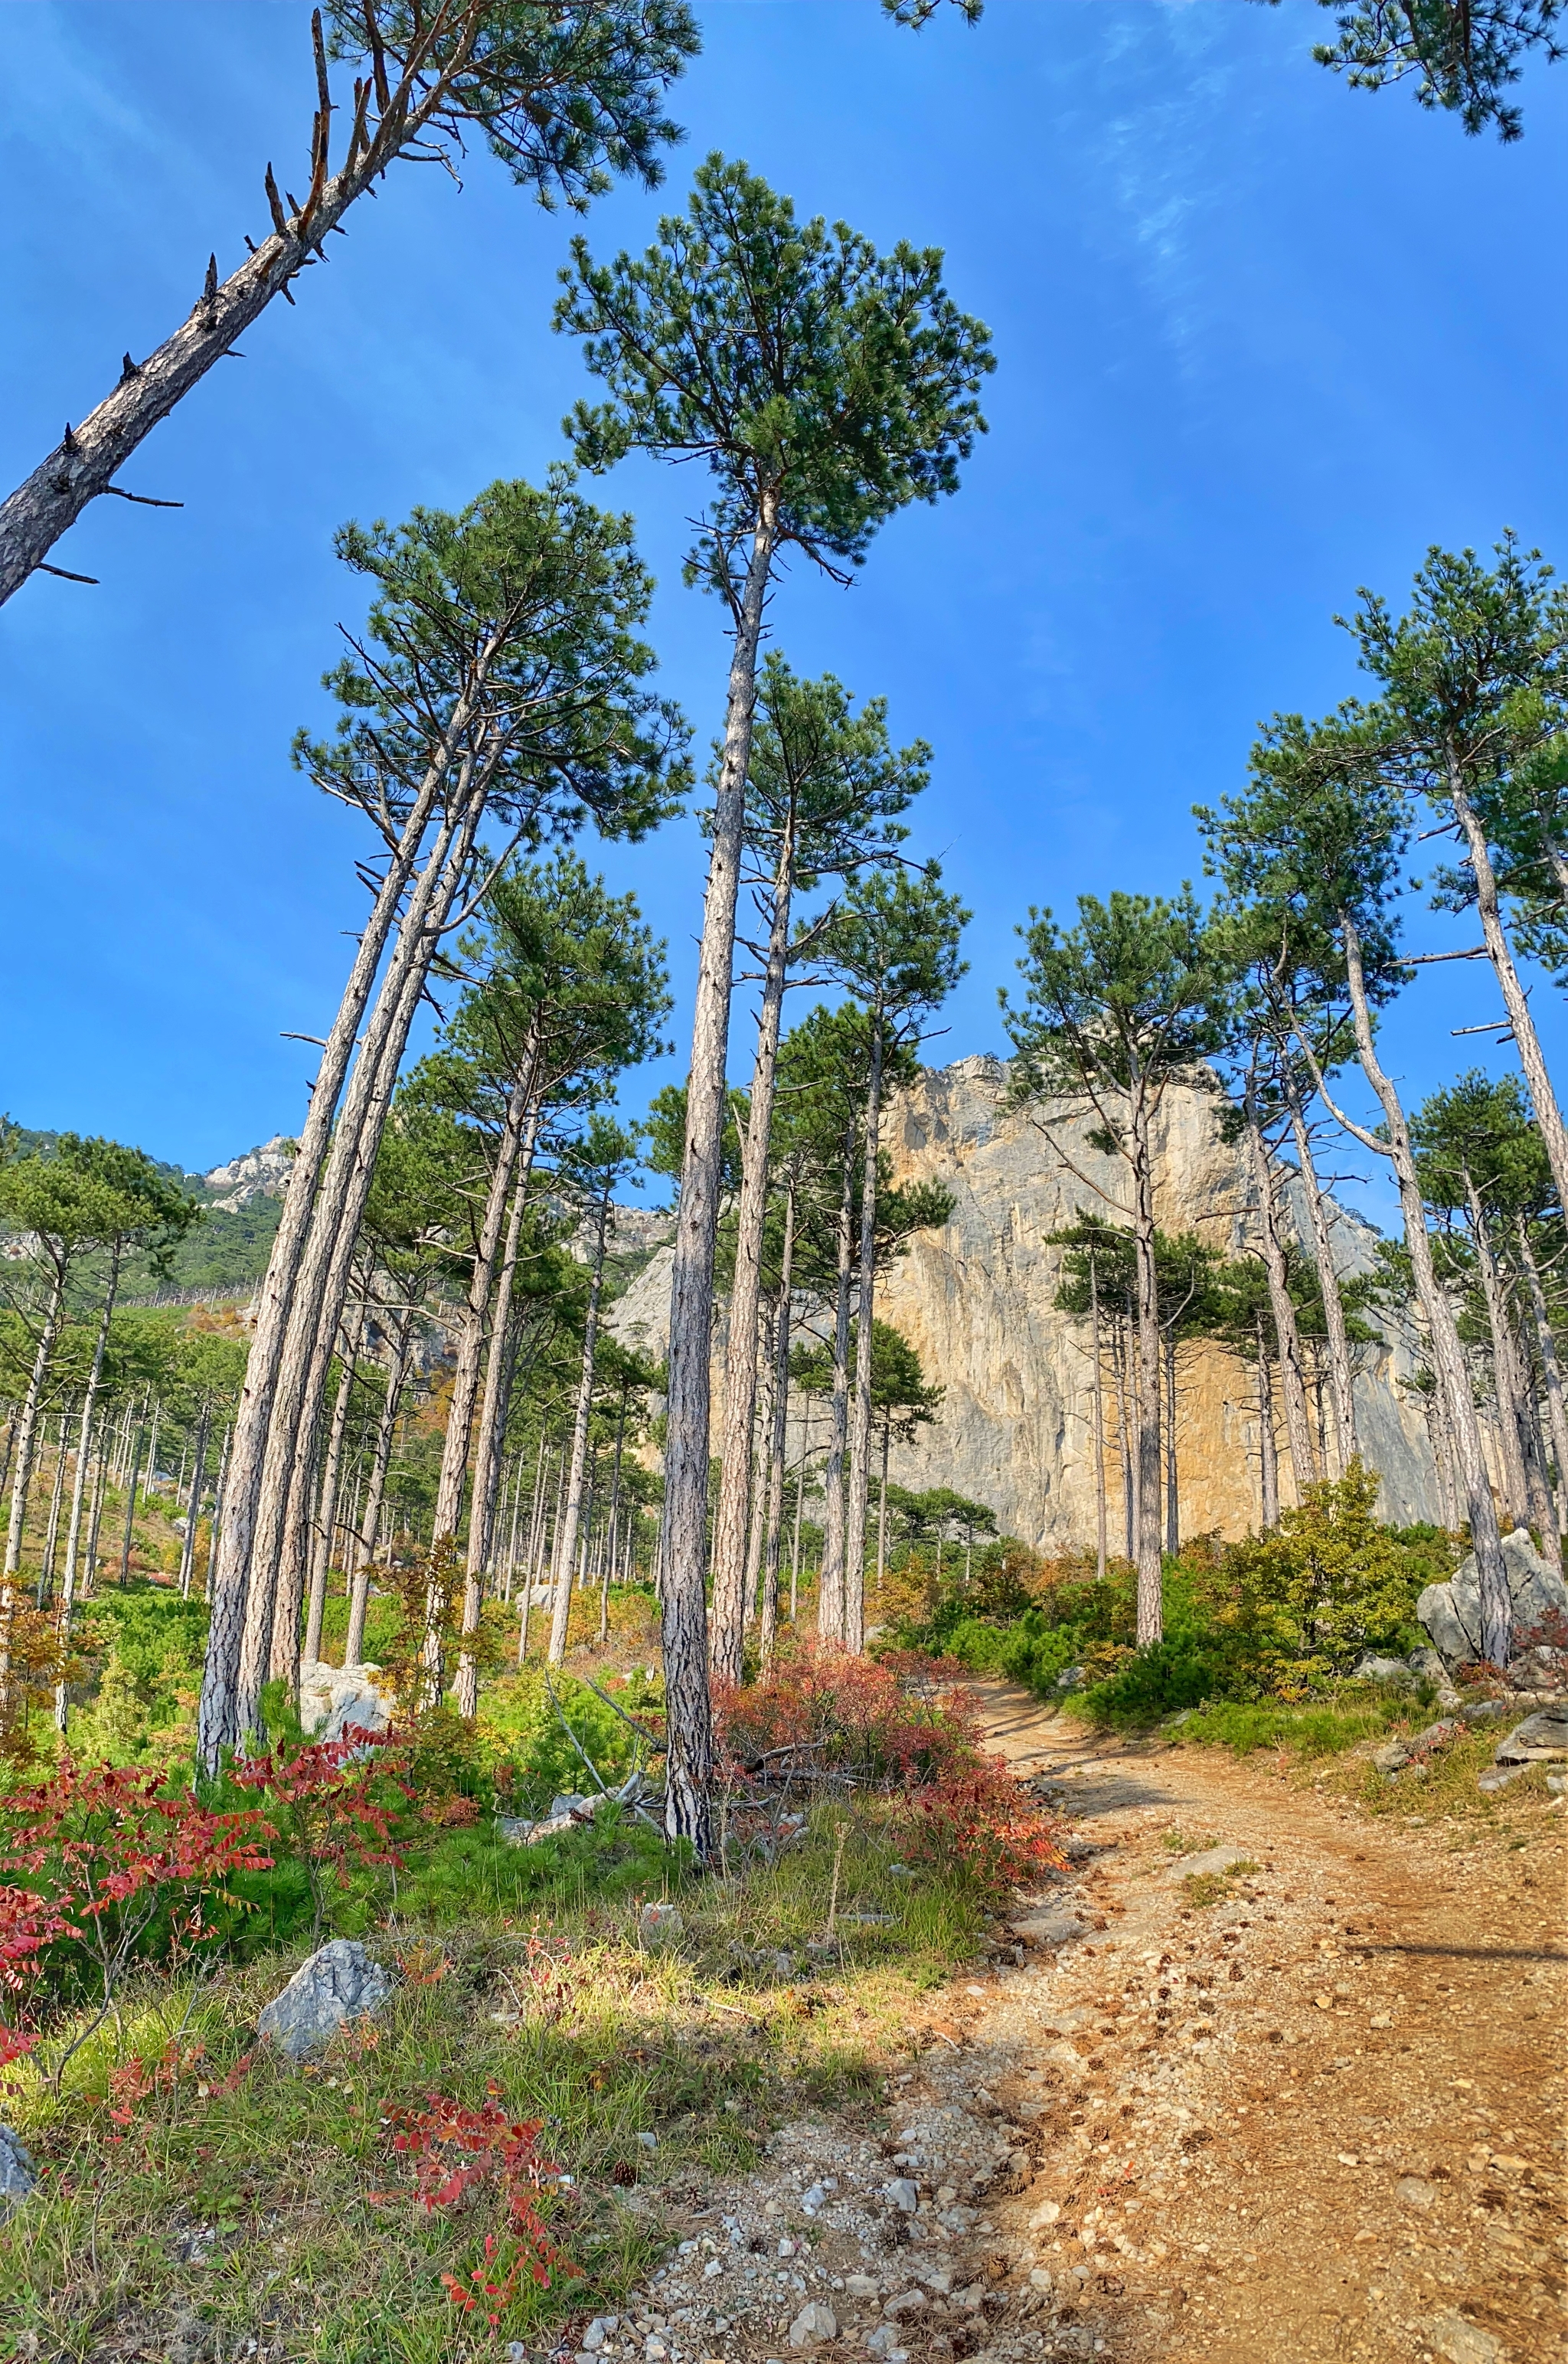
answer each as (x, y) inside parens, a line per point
(977, 1300)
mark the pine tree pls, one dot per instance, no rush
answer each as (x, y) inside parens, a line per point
(1116, 1010)
(565, 92)
(824, 386)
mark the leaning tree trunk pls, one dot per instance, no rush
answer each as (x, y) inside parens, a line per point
(86, 464)
(830, 1581)
(1448, 1358)
(1150, 1574)
(1550, 1370)
(229, 1579)
(1547, 1115)
(865, 1342)
(684, 1528)
(229, 1576)
(271, 1631)
(327, 1268)
(567, 1528)
(1287, 1334)
(728, 1615)
(1341, 1368)
(492, 1421)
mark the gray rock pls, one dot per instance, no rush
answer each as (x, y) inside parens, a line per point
(598, 2332)
(1371, 1668)
(903, 2194)
(17, 2173)
(1219, 1858)
(1497, 1776)
(518, 1830)
(1425, 1663)
(337, 1983)
(1538, 1739)
(661, 1926)
(813, 2323)
(1415, 2191)
(883, 2342)
(1048, 1929)
(1459, 2342)
(331, 1698)
(1451, 1612)
(1390, 1757)
(904, 2301)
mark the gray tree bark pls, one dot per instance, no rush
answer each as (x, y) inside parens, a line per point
(492, 1416)
(860, 1419)
(727, 1619)
(684, 1529)
(830, 1581)
(1293, 1377)
(567, 1531)
(327, 1507)
(1551, 1369)
(1448, 1358)
(1340, 1369)
(86, 461)
(1547, 1115)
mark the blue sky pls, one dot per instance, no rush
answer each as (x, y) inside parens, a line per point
(1260, 340)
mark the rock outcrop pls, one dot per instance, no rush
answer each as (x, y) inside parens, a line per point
(262, 1173)
(1451, 1612)
(977, 1300)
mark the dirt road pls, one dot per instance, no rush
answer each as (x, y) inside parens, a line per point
(1320, 2116)
(1273, 2081)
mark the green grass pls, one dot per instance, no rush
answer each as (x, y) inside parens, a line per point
(1306, 1731)
(311, 2244)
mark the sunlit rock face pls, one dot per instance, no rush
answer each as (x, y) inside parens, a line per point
(977, 1300)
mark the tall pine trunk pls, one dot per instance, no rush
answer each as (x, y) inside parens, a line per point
(567, 1531)
(684, 1528)
(1268, 1451)
(1341, 1368)
(1150, 1582)
(1099, 1401)
(1551, 1369)
(1448, 1357)
(1547, 1115)
(229, 1575)
(84, 1455)
(777, 1442)
(375, 1494)
(1287, 1334)
(326, 1505)
(492, 1426)
(1173, 1477)
(830, 1581)
(728, 1616)
(1530, 1502)
(322, 1289)
(193, 1500)
(860, 1422)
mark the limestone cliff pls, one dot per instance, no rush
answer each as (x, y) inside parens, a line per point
(977, 1300)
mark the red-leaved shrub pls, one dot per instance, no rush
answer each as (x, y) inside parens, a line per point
(456, 2153)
